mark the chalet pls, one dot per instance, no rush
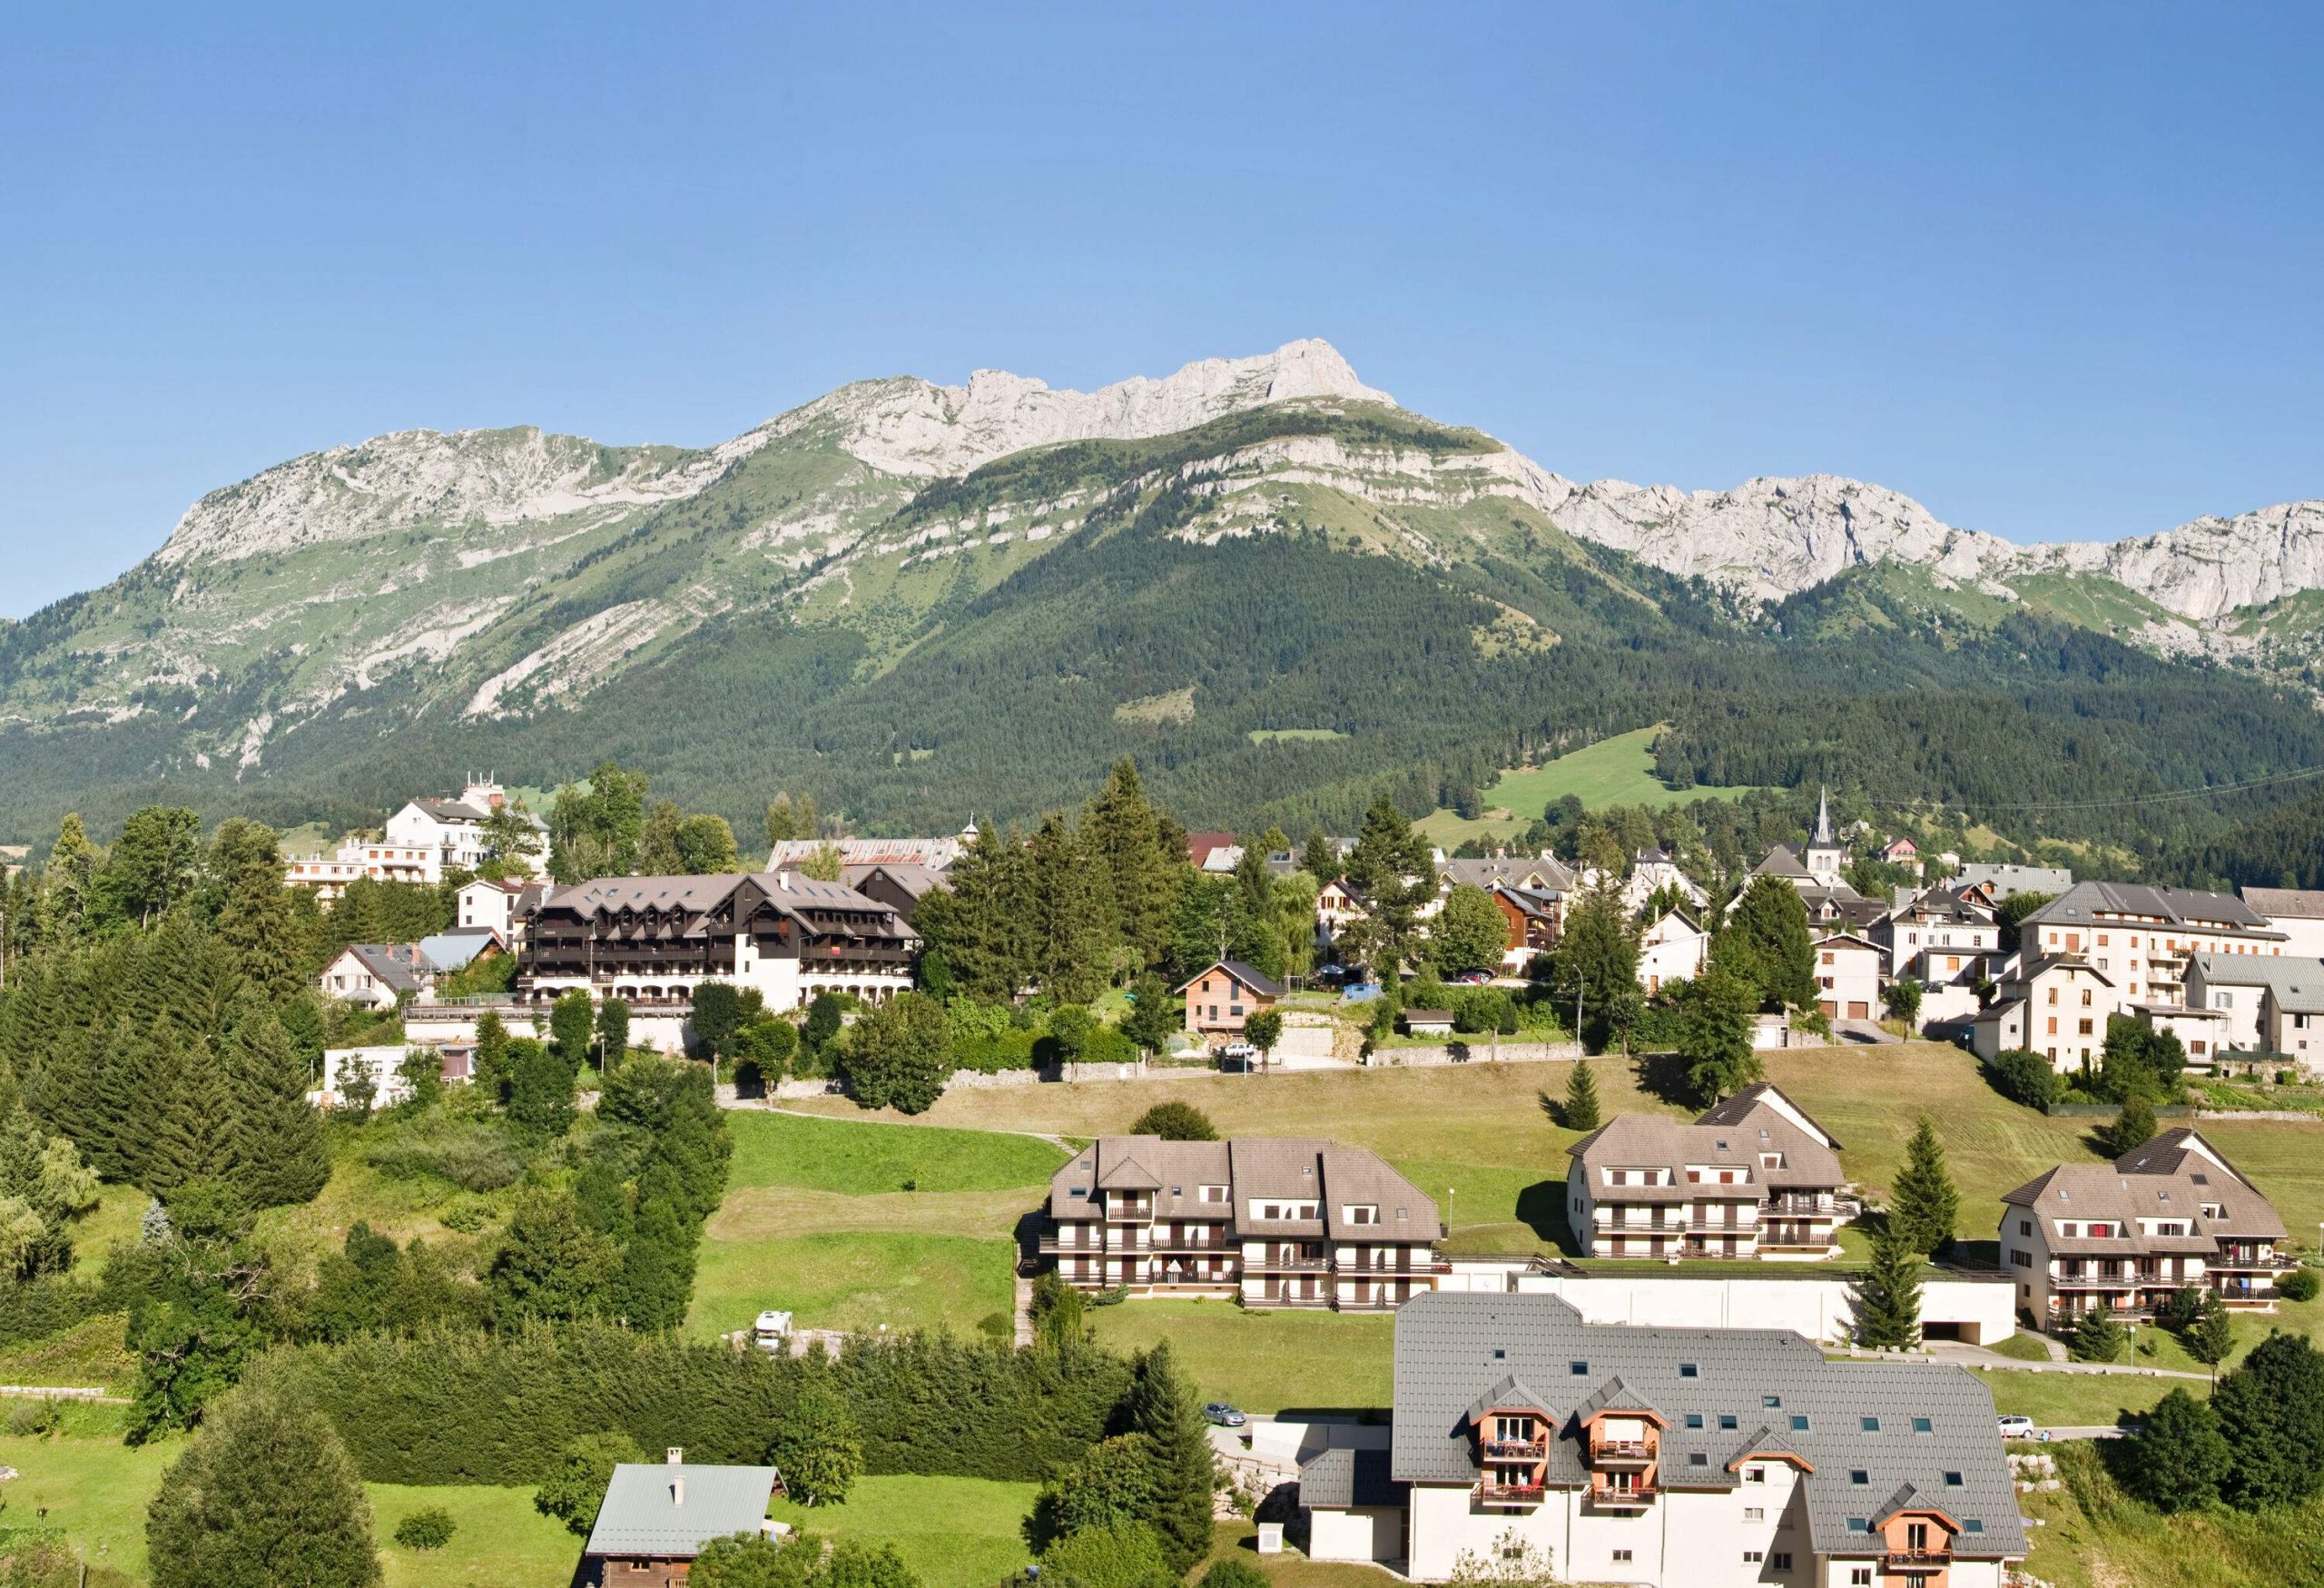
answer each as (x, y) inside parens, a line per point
(1848, 977)
(1752, 1178)
(651, 941)
(654, 1520)
(1673, 948)
(1534, 915)
(2171, 1214)
(897, 884)
(1337, 906)
(1227, 993)
(376, 975)
(1678, 1457)
(1902, 852)
(1274, 1222)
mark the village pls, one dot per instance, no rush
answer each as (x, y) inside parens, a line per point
(1556, 1395)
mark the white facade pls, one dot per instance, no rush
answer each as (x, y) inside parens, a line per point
(1979, 1311)
(454, 830)
(358, 857)
(1671, 949)
(384, 1065)
(2059, 1010)
(1847, 977)
(1653, 872)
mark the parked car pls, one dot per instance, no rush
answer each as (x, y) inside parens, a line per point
(2016, 1427)
(1225, 1415)
(1238, 1056)
(772, 1329)
(1472, 978)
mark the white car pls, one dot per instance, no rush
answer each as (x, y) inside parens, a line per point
(772, 1329)
(2016, 1427)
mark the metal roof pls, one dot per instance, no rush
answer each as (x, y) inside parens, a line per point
(1340, 1479)
(1895, 1424)
(670, 1510)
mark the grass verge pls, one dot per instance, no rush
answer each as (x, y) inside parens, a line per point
(956, 1532)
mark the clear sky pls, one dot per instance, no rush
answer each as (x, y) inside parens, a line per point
(2057, 271)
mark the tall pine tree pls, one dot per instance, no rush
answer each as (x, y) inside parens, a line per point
(1141, 875)
(279, 1136)
(1067, 930)
(1923, 1203)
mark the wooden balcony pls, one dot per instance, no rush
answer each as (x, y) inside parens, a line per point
(1516, 1449)
(1621, 1452)
(1915, 1561)
(1510, 1496)
(1286, 1265)
(1608, 1497)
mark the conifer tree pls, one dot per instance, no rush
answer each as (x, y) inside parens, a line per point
(2271, 1411)
(254, 916)
(69, 881)
(280, 1152)
(1163, 1407)
(1069, 926)
(1140, 873)
(980, 928)
(194, 1121)
(1391, 868)
(1766, 947)
(1888, 1294)
(613, 1032)
(489, 1066)
(2176, 1458)
(540, 1089)
(1154, 1015)
(1317, 858)
(1923, 1204)
(571, 1022)
(1581, 1113)
(266, 1493)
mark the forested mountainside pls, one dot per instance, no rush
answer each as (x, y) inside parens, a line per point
(1280, 592)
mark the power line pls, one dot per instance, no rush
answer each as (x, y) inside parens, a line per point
(2169, 796)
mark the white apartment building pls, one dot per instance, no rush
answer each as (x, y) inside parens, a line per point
(453, 830)
(1947, 939)
(2297, 912)
(2270, 1004)
(2055, 1007)
(499, 906)
(2122, 1237)
(1682, 1459)
(1651, 871)
(1754, 1177)
(2139, 938)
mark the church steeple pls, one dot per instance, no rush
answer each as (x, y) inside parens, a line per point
(1823, 838)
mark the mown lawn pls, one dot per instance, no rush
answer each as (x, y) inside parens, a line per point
(1265, 1361)
(2078, 1400)
(859, 1157)
(1619, 771)
(956, 1532)
(1238, 1541)
(854, 1279)
(95, 1489)
(499, 1542)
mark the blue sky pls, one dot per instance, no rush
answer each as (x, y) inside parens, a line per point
(2052, 271)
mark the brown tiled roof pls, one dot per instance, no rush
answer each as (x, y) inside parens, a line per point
(1653, 1141)
(2170, 1177)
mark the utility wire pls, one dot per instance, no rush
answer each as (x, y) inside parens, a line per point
(2208, 791)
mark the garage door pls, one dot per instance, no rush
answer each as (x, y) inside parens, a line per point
(1858, 1009)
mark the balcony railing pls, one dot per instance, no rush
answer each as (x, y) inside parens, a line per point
(1425, 1266)
(1715, 1227)
(1516, 1449)
(1188, 1243)
(1777, 1240)
(1286, 1265)
(1059, 1245)
(1608, 1497)
(2097, 1282)
(1915, 1559)
(1492, 1493)
(1626, 1452)
(1797, 1206)
(2248, 1261)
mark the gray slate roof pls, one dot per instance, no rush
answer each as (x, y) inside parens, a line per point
(2171, 1176)
(2296, 984)
(643, 1517)
(2007, 880)
(1284, 1169)
(2287, 904)
(1451, 1347)
(1729, 1137)
(395, 966)
(2087, 902)
(1340, 1478)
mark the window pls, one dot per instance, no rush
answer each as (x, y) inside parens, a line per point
(1213, 1194)
(1752, 1557)
(1972, 1525)
(1870, 1425)
(1859, 1577)
(1755, 1514)
(1697, 1459)
(1755, 1475)
(1579, 1369)
(1798, 1422)
(1859, 1478)
(1924, 1425)
(1499, 1354)
(1727, 1422)
(1771, 1401)
(2025, 1227)
(1782, 1561)
(1858, 1524)
(1689, 1370)
(1622, 1554)
(1953, 1480)
(1694, 1419)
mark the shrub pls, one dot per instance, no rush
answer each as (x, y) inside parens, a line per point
(37, 1419)
(430, 1529)
(2024, 1077)
(1124, 1555)
(2097, 1338)
(2299, 1285)
(1234, 1573)
(1175, 1120)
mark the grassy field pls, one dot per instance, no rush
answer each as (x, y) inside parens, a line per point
(785, 1150)
(2092, 1536)
(852, 1279)
(956, 1532)
(1238, 1541)
(1619, 771)
(1264, 1361)
(2078, 1400)
(95, 1489)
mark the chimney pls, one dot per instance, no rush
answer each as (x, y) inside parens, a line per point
(677, 1478)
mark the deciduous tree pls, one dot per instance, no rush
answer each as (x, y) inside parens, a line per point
(265, 1494)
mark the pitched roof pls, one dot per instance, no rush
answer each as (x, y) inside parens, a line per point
(2296, 984)
(2087, 902)
(917, 881)
(1255, 1168)
(2171, 1177)
(1266, 986)
(1737, 1111)
(456, 949)
(1511, 871)
(936, 854)
(1351, 1478)
(2287, 904)
(1834, 1418)
(395, 966)
(644, 1514)
(1735, 1139)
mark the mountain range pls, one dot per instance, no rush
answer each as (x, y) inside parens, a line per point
(1261, 575)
